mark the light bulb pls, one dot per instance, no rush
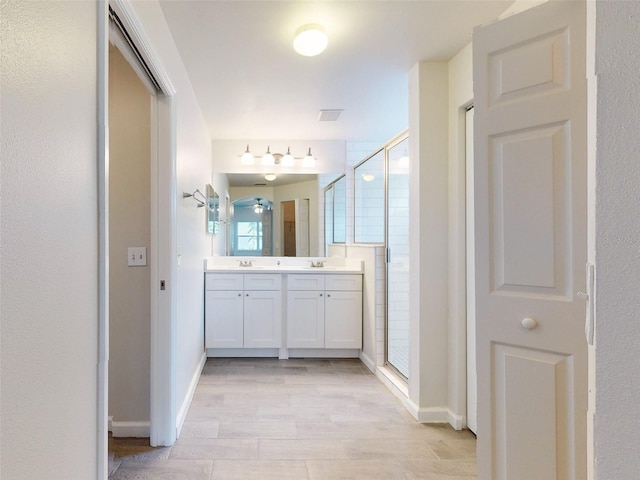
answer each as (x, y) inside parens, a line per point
(268, 159)
(287, 160)
(247, 158)
(309, 160)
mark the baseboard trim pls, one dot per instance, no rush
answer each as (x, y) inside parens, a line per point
(428, 414)
(129, 429)
(370, 364)
(184, 408)
(458, 422)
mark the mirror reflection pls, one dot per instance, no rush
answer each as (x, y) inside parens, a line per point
(289, 223)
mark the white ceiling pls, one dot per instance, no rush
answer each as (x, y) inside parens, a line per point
(257, 179)
(251, 84)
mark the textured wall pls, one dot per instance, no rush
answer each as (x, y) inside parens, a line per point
(49, 224)
(129, 226)
(617, 242)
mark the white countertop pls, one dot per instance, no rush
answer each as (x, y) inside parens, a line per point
(282, 265)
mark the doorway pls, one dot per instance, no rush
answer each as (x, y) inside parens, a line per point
(129, 244)
(161, 255)
(289, 228)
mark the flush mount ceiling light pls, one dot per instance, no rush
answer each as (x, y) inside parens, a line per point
(368, 177)
(270, 177)
(310, 40)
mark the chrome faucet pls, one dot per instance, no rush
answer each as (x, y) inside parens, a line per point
(317, 263)
(245, 263)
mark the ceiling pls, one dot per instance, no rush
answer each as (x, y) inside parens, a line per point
(257, 179)
(251, 84)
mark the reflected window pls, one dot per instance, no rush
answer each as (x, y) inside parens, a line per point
(249, 236)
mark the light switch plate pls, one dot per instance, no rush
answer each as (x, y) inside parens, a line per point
(137, 256)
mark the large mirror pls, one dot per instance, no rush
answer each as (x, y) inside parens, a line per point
(290, 221)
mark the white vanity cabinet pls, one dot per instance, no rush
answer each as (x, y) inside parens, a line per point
(324, 311)
(243, 310)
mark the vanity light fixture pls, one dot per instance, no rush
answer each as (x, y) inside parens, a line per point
(247, 157)
(267, 158)
(310, 40)
(270, 177)
(287, 160)
(270, 159)
(309, 160)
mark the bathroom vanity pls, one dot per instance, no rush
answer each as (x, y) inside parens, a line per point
(283, 307)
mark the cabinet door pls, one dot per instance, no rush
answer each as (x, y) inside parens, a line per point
(343, 320)
(262, 319)
(223, 319)
(305, 319)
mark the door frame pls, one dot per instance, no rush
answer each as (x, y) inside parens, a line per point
(163, 244)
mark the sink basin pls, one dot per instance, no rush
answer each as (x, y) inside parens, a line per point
(320, 268)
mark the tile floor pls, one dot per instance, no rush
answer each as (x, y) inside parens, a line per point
(314, 419)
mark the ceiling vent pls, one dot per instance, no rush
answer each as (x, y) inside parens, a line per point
(329, 115)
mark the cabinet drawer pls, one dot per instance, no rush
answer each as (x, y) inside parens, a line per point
(305, 281)
(343, 282)
(223, 281)
(262, 281)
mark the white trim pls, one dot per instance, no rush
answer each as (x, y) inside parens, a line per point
(129, 429)
(458, 422)
(133, 26)
(428, 415)
(184, 408)
(102, 457)
(370, 364)
(393, 383)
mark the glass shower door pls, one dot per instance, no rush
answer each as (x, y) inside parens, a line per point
(397, 327)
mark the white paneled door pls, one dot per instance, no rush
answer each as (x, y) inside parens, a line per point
(530, 239)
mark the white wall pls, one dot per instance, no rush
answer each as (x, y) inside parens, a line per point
(460, 97)
(49, 221)
(428, 243)
(194, 171)
(617, 223)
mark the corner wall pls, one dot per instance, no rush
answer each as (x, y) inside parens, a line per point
(49, 255)
(428, 241)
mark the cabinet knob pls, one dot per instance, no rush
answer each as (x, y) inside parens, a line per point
(239, 294)
(529, 323)
(320, 294)
(328, 294)
(247, 294)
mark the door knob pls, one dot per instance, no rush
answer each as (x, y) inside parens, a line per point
(529, 323)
